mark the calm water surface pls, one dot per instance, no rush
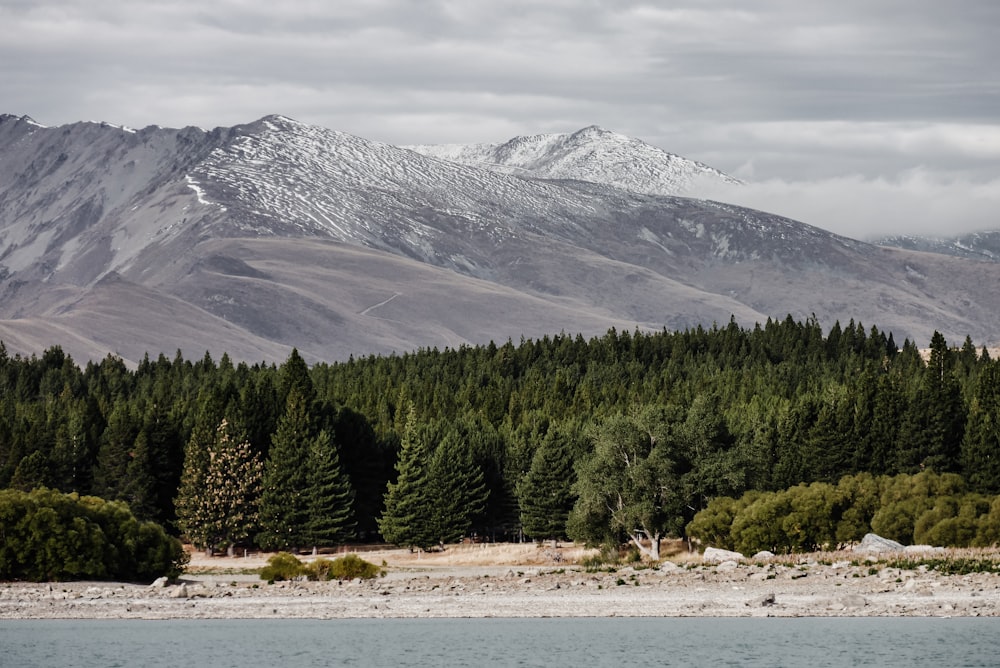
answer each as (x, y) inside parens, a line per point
(814, 643)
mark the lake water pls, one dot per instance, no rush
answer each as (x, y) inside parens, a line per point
(812, 642)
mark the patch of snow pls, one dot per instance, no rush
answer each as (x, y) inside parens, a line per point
(591, 154)
(193, 185)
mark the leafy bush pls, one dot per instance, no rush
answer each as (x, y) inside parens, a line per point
(282, 566)
(352, 566)
(50, 536)
(905, 498)
(285, 566)
(927, 508)
(318, 569)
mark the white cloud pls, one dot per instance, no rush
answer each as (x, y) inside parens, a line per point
(895, 98)
(917, 202)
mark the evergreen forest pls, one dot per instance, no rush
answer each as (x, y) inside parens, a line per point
(630, 434)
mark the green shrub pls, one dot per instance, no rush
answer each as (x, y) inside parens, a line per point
(318, 569)
(282, 566)
(51, 536)
(352, 566)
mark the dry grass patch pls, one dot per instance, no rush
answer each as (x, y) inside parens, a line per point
(477, 555)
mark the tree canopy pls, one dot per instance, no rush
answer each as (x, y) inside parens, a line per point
(657, 425)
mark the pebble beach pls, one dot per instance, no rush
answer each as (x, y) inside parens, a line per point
(481, 587)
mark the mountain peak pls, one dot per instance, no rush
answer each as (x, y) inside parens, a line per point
(594, 131)
(281, 121)
(28, 120)
(275, 233)
(592, 153)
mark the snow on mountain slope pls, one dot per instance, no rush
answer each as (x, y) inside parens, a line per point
(983, 245)
(277, 233)
(281, 177)
(590, 154)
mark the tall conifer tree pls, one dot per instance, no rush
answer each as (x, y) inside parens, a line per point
(981, 446)
(330, 496)
(457, 489)
(232, 487)
(546, 491)
(284, 501)
(408, 505)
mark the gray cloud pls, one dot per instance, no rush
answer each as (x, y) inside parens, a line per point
(812, 101)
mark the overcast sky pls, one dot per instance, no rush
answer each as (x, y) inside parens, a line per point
(864, 117)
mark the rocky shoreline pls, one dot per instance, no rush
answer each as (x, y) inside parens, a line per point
(728, 589)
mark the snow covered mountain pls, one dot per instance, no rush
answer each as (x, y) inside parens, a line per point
(255, 238)
(591, 154)
(975, 246)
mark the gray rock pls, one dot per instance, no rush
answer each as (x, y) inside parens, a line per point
(159, 583)
(763, 555)
(714, 555)
(922, 549)
(764, 602)
(852, 601)
(727, 566)
(180, 591)
(876, 544)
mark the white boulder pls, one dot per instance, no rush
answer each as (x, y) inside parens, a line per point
(714, 555)
(875, 543)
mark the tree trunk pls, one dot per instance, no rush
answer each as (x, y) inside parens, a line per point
(653, 551)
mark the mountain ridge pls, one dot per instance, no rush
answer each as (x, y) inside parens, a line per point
(983, 245)
(590, 154)
(275, 233)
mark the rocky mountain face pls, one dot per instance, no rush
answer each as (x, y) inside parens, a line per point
(975, 246)
(592, 154)
(256, 238)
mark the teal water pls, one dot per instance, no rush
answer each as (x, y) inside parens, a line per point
(438, 643)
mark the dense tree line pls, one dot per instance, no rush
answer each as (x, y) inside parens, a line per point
(624, 436)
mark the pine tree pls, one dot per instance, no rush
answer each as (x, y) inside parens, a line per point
(932, 426)
(295, 378)
(284, 501)
(329, 495)
(408, 505)
(165, 453)
(367, 463)
(457, 489)
(232, 487)
(981, 445)
(115, 451)
(222, 510)
(188, 504)
(138, 488)
(32, 472)
(546, 491)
